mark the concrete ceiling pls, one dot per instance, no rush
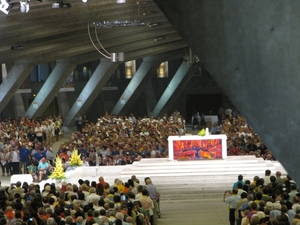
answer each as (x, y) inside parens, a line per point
(49, 34)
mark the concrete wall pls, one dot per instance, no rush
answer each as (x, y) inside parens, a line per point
(251, 48)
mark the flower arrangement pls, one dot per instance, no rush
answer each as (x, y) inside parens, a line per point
(58, 172)
(75, 159)
(202, 132)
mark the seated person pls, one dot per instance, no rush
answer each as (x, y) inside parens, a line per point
(43, 167)
(32, 170)
(215, 129)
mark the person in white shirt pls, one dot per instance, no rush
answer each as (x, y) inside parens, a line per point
(39, 132)
(15, 160)
(92, 196)
(84, 162)
(5, 161)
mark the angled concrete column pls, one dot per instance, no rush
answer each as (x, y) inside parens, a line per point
(107, 101)
(63, 104)
(18, 104)
(14, 79)
(175, 86)
(52, 85)
(140, 80)
(150, 97)
(91, 89)
(136, 85)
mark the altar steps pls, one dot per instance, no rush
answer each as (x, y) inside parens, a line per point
(183, 181)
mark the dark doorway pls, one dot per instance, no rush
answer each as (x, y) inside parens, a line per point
(209, 104)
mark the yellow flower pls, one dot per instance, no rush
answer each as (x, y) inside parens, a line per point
(202, 132)
(58, 172)
(75, 159)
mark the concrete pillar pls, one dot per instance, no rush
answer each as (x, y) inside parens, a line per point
(174, 88)
(18, 105)
(107, 101)
(63, 104)
(51, 87)
(13, 81)
(136, 85)
(91, 90)
(150, 97)
(140, 80)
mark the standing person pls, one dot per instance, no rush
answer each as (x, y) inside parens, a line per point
(231, 200)
(267, 177)
(78, 122)
(195, 121)
(31, 135)
(56, 128)
(24, 153)
(15, 160)
(154, 195)
(49, 154)
(5, 162)
(85, 121)
(39, 131)
(240, 180)
(202, 121)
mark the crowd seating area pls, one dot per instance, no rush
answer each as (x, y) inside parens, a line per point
(118, 140)
(122, 140)
(271, 199)
(84, 203)
(25, 140)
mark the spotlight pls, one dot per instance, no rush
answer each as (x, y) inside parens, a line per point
(153, 24)
(61, 4)
(159, 38)
(84, 1)
(117, 57)
(17, 47)
(143, 2)
(148, 13)
(5, 6)
(121, 1)
(24, 6)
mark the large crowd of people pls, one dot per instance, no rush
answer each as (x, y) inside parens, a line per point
(117, 140)
(85, 203)
(26, 141)
(112, 140)
(272, 200)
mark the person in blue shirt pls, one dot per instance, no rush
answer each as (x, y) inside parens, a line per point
(38, 156)
(24, 153)
(32, 170)
(43, 167)
(240, 180)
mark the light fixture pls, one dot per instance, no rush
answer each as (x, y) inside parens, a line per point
(5, 6)
(61, 4)
(118, 23)
(24, 6)
(17, 47)
(152, 24)
(84, 1)
(191, 58)
(142, 2)
(114, 57)
(148, 13)
(159, 38)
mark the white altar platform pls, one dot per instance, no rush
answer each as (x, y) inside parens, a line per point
(206, 177)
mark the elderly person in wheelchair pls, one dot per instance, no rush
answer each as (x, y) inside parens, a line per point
(43, 168)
